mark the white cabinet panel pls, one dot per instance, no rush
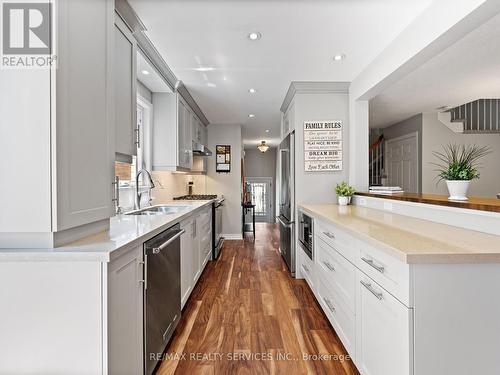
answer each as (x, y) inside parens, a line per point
(389, 272)
(189, 259)
(306, 268)
(172, 133)
(125, 313)
(337, 272)
(384, 331)
(82, 114)
(339, 314)
(125, 82)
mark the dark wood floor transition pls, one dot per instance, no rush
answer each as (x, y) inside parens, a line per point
(248, 316)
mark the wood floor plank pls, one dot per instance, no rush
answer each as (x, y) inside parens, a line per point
(247, 315)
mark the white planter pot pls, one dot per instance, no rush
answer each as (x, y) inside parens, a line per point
(344, 201)
(458, 190)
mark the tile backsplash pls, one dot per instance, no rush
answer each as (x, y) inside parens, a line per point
(168, 186)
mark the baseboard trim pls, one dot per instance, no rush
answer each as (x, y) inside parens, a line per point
(232, 236)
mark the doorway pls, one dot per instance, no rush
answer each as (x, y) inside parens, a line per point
(262, 196)
(402, 162)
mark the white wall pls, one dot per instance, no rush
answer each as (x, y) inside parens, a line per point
(318, 187)
(435, 29)
(435, 134)
(228, 184)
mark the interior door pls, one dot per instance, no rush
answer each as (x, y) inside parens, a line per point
(262, 197)
(402, 162)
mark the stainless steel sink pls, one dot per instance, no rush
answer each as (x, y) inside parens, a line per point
(159, 210)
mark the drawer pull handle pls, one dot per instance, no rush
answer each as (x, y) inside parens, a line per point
(329, 235)
(370, 262)
(329, 304)
(371, 290)
(305, 267)
(329, 266)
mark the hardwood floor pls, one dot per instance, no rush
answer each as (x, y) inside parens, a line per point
(248, 316)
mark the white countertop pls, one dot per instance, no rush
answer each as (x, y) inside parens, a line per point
(125, 231)
(410, 239)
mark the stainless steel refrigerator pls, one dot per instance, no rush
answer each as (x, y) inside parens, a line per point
(286, 216)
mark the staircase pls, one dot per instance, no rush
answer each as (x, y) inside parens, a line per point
(481, 116)
(376, 161)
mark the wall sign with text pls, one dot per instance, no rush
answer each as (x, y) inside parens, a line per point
(322, 146)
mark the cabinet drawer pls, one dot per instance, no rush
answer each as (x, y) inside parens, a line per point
(337, 238)
(306, 268)
(383, 331)
(391, 273)
(336, 271)
(339, 314)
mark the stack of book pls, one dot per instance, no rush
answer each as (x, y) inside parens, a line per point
(385, 189)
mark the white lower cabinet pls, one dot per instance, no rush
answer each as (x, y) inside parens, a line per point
(190, 265)
(196, 250)
(306, 268)
(339, 314)
(375, 327)
(125, 313)
(383, 332)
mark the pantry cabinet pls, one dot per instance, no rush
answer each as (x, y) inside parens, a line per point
(172, 138)
(125, 88)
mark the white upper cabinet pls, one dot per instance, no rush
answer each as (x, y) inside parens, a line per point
(82, 114)
(172, 138)
(125, 85)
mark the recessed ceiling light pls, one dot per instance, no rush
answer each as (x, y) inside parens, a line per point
(339, 57)
(267, 130)
(251, 115)
(204, 69)
(254, 35)
(145, 72)
(252, 91)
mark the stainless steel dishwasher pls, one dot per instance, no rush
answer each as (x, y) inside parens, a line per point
(162, 293)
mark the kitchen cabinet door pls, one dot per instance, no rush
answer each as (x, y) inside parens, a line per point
(184, 140)
(187, 260)
(384, 331)
(81, 114)
(125, 92)
(125, 313)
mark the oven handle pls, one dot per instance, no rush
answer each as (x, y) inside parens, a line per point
(157, 250)
(283, 223)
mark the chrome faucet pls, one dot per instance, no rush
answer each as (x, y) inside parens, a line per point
(138, 194)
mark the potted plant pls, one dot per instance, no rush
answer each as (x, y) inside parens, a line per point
(458, 167)
(344, 192)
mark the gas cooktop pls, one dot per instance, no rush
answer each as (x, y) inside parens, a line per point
(196, 197)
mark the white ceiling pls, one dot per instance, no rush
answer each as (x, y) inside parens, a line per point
(466, 71)
(299, 39)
